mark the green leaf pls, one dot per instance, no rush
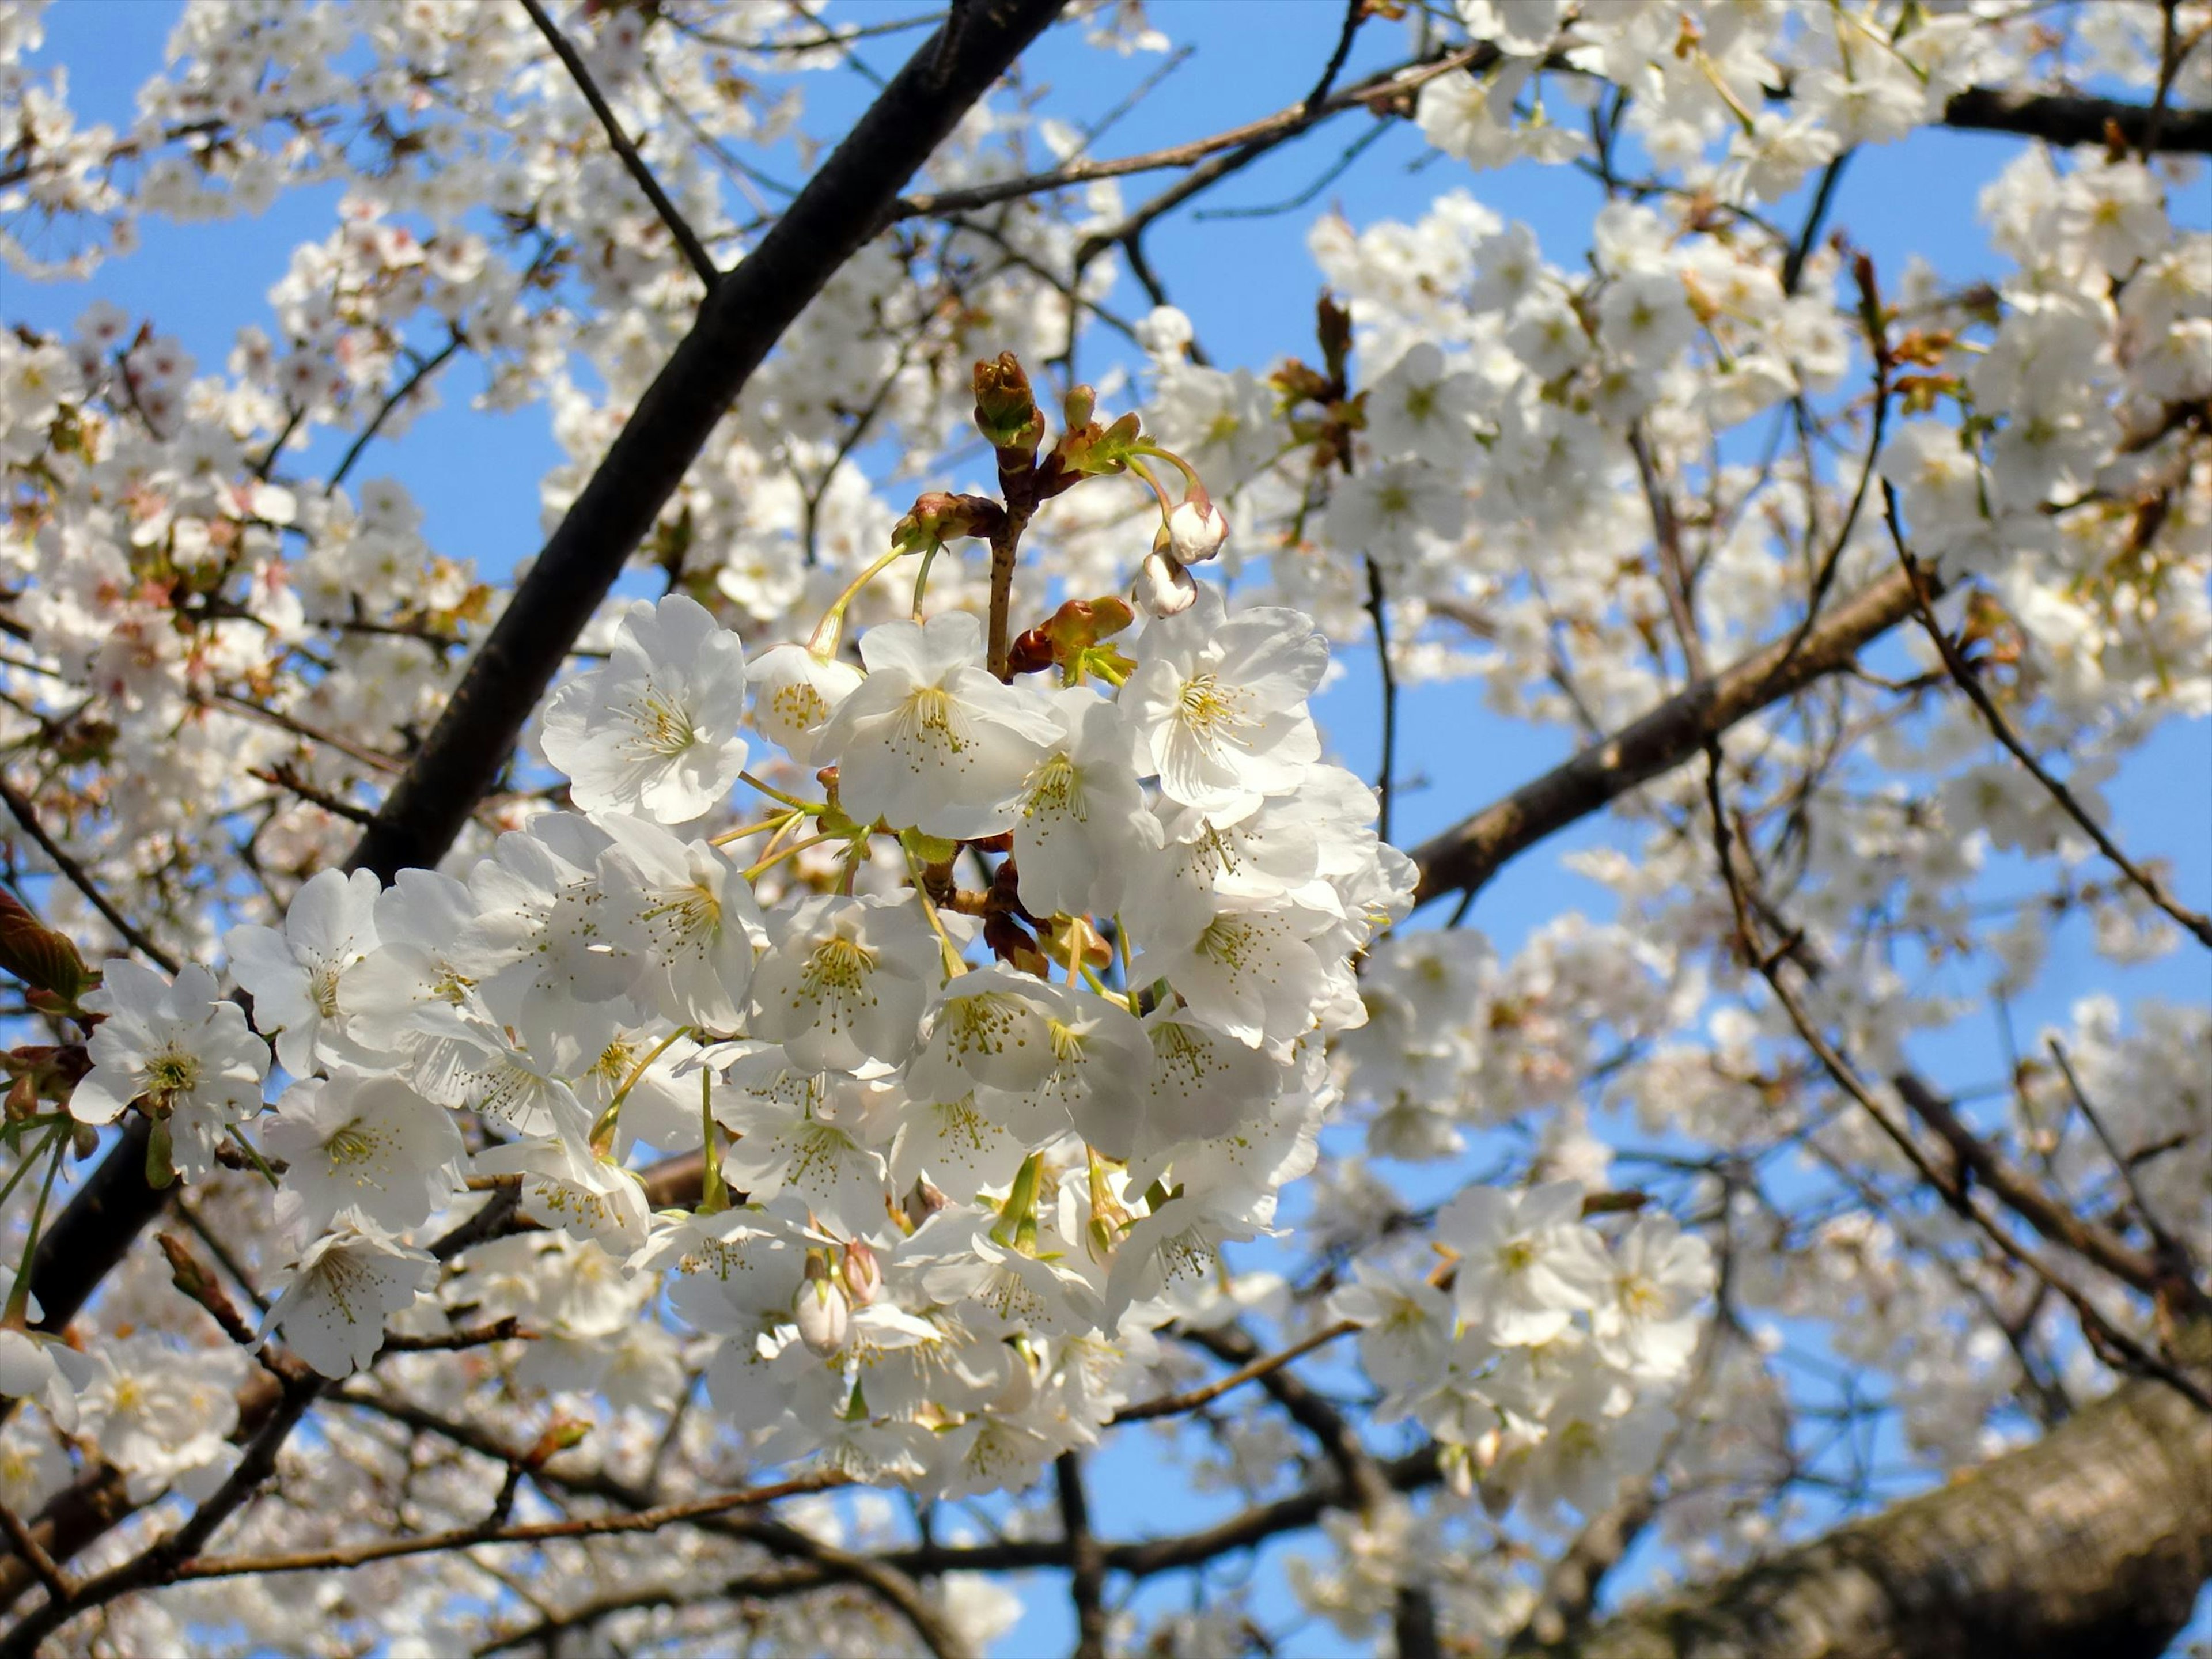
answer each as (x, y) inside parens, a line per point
(928, 850)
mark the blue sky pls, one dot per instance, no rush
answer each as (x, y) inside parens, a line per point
(1249, 286)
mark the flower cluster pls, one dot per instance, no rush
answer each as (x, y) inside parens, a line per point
(902, 1041)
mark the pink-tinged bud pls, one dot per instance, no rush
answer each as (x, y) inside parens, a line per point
(1164, 587)
(823, 1313)
(1196, 530)
(864, 1274)
(922, 1201)
(1456, 1464)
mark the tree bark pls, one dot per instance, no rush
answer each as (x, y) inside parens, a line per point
(2066, 118)
(2093, 1543)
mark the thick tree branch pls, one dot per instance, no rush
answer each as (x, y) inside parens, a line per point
(2090, 1544)
(1087, 1560)
(1463, 858)
(2066, 118)
(737, 325)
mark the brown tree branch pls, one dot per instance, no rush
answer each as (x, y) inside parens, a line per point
(1268, 132)
(1464, 858)
(1086, 1561)
(2068, 118)
(1969, 681)
(2061, 119)
(739, 324)
(1174, 1405)
(2090, 1544)
(535, 1532)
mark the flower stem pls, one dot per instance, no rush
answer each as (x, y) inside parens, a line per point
(603, 1132)
(825, 642)
(19, 1294)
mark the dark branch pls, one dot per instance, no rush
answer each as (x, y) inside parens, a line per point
(1086, 1561)
(2065, 119)
(737, 325)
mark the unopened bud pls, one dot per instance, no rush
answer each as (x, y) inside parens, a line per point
(1030, 653)
(1006, 412)
(820, 1310)
(1196, 530)
(1163, 587)
(922, 1201)
(864, 1274)
(937, 517)
(1457, 1467)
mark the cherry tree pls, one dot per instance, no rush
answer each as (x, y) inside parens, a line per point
(722, 1091)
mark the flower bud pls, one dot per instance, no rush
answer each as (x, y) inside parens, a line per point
(937, 517)
(864, 1274)
(1164, 332)
(1196, 530)
(820, 1310)
(1164, 587)
(922, 1201)
(1006, 411)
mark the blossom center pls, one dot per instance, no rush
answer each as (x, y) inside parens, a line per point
(982, 1024)
(800, 705)
(664, 726)
(687, 914)
(351, 1144)
(323, 986)
(931, 716)
(1210, 712)
(173, 1072)
(1053, 789)
(839, 966)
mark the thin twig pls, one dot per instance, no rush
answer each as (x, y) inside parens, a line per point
(60, 1591)
(1952, 1185)
(1793, 267)
(536, 1532)
(421, 371)
(299, 728)
(1174, 1405)
(1385, 771)
(2168, 1243)
(1355, 13)
(694, 251)
(1969, 682)
(1269, 129)
(27, 816)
